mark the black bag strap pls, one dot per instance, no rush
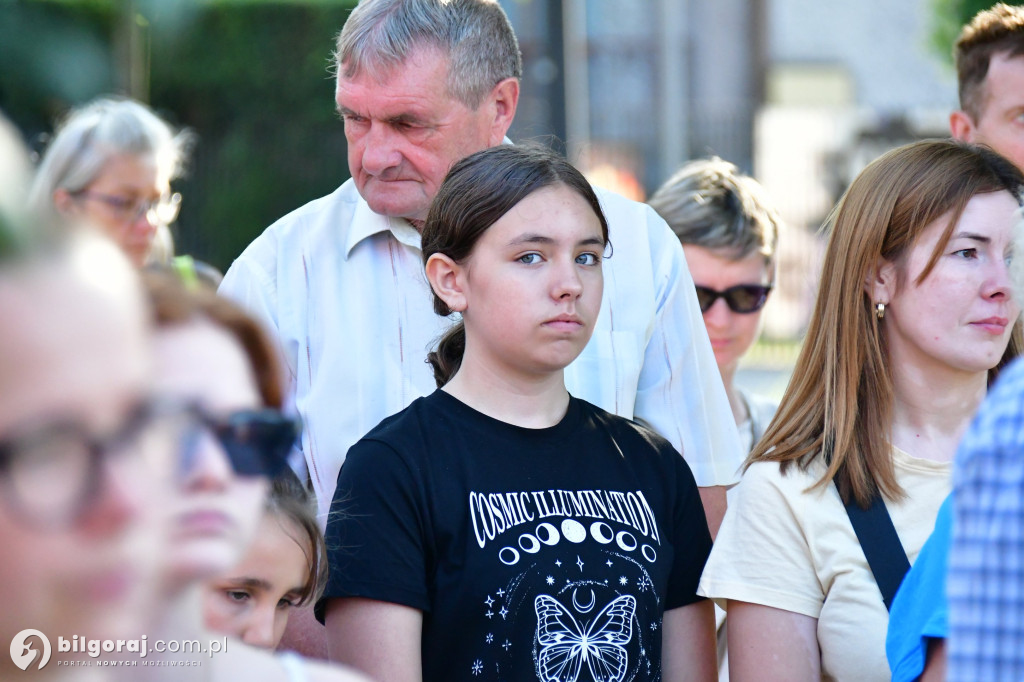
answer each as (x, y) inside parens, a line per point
(882, 547)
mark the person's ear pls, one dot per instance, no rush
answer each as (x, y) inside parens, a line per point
(447, 279)
(503, 100)
(961, 126)
(880, 284)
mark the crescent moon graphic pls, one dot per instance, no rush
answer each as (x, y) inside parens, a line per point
(597, 530)
(584, 609)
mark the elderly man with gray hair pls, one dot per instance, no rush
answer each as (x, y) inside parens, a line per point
(421, 84)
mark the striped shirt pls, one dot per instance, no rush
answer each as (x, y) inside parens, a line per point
(986, 566)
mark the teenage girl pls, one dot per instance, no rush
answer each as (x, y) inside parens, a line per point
(500, 528)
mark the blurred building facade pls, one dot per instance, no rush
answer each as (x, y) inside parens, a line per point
(646, 84)
(845, 83)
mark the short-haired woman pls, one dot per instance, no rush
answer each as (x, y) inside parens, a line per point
(729, 231)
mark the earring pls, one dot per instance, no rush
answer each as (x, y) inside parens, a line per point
(879, 310)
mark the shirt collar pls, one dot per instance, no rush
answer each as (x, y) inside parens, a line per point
(366, 223)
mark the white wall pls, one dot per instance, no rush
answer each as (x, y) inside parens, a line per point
(883, 44)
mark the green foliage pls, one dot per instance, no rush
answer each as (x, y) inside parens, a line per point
(52, 53)
(250, 78)
(949, 16)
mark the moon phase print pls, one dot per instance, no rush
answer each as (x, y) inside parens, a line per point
(579, 595)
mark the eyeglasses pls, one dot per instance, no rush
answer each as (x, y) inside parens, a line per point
(742, 298)
(162, 211)
(257, 442)
(51, 474)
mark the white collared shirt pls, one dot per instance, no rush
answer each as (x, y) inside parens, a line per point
(344, 291)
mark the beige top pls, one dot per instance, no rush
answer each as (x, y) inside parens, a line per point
(783, 546)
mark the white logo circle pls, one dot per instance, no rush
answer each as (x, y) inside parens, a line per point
(24, 654)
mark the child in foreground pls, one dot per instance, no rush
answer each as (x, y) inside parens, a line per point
(284, 568)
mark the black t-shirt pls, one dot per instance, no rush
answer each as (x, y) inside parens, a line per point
(533, 553)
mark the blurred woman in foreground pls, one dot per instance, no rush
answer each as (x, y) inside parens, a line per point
(217, 359)
(84, 448)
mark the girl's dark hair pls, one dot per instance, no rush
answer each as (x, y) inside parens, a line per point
(477, 192)
(290, 500)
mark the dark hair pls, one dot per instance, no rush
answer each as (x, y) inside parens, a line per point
(290, 500)
(172, 304)
(993, 31)
(477, 192)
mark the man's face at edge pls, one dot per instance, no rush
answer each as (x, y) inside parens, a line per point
(1000, 121)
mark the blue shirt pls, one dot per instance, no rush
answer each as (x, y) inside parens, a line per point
(920, 610)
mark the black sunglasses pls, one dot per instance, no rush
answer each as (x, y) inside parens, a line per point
(256, 441)
(742, 298)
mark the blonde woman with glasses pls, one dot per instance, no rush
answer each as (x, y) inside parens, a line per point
(111, 163)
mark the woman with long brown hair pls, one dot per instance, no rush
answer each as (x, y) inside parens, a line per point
(913, 319)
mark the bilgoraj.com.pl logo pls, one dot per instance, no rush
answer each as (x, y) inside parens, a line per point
(31, 648)
(24, 654)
